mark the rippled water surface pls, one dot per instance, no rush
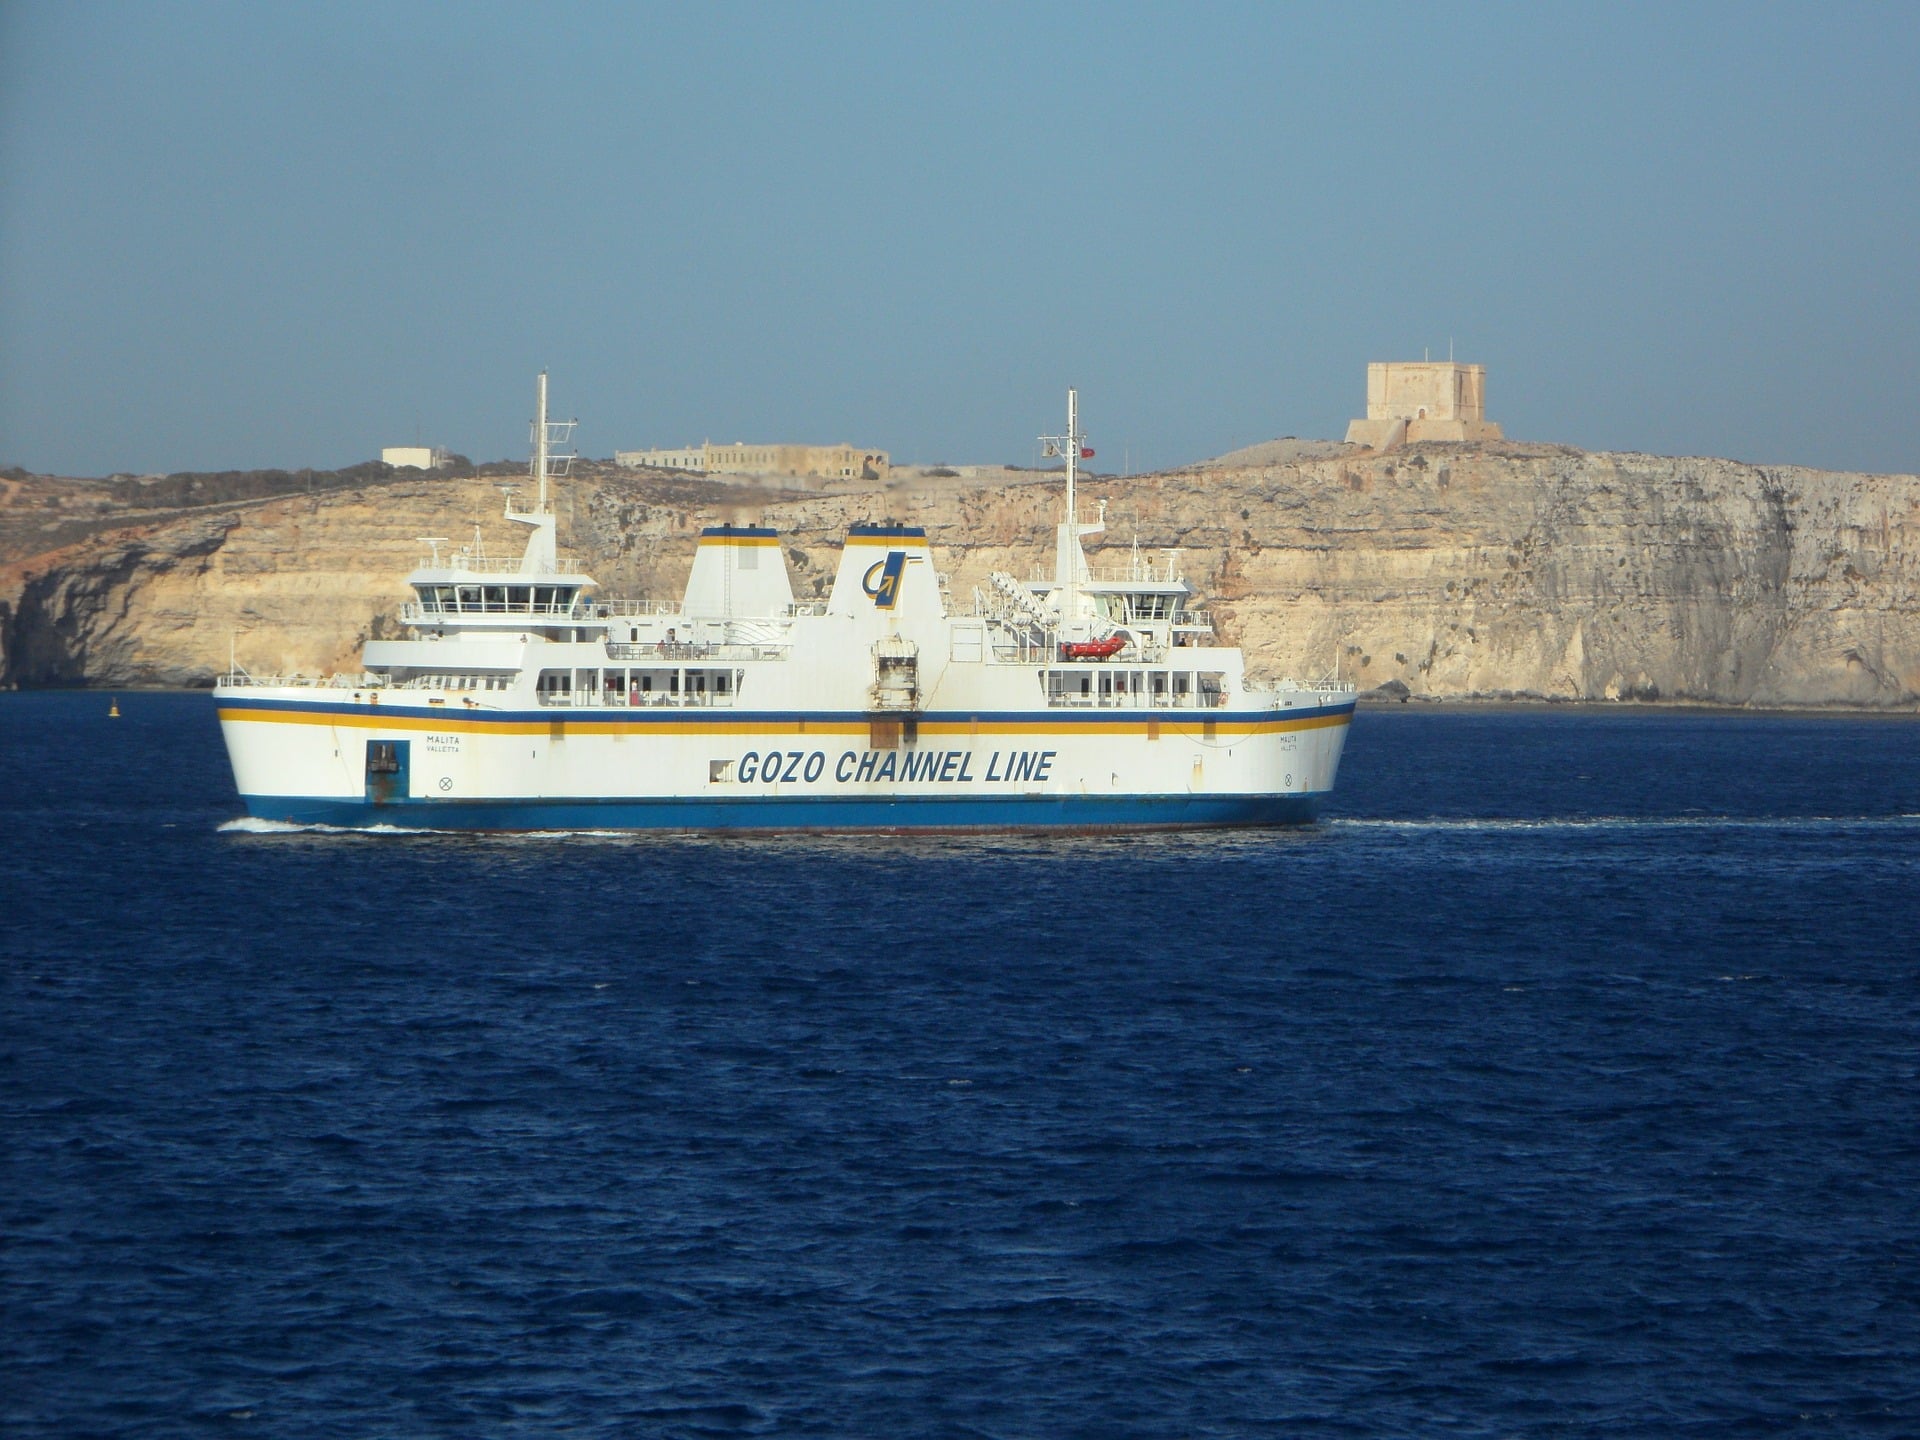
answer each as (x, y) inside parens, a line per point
(1564, 1080)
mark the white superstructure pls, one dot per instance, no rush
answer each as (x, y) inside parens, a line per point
(1092, 697)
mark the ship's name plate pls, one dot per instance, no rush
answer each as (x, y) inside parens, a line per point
(940, 767)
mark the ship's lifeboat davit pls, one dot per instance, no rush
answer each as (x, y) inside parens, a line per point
(1092, 649)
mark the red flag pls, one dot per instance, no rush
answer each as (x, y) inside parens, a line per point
(1086, 452)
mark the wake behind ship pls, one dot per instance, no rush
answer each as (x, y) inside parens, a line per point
(1092, 698)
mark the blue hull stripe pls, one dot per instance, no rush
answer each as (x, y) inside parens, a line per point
(1069, 812)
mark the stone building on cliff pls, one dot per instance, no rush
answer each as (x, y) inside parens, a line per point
(827, 462)
(1423, 400)
(414, 457)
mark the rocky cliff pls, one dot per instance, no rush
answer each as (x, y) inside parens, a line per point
(1448, 570)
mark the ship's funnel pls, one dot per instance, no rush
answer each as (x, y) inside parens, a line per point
(886, 571)
(738, 573)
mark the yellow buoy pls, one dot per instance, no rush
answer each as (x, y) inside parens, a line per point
(113, 709)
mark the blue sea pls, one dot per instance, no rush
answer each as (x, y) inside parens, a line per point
(1563, 1080)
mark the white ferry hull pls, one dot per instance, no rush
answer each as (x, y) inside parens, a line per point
(516, 701)
(304, 759)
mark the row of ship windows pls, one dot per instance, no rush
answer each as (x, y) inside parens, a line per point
(497, 599)
(1092, 679)
(1079, 685)
(1138, 607)
(453, 681)
(637, 687)
(1099, 685)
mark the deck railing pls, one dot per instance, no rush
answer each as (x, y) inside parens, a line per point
(635, 700)
(660, 650)
(1139, 700)
(238, 678)
(416, 612)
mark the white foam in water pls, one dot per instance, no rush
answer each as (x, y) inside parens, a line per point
(250, 825)
(1627, 822)
(247, 825)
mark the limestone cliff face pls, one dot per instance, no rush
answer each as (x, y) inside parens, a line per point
(1508, 569)
(1454, 570)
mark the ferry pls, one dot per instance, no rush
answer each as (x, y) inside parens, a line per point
(518, 699)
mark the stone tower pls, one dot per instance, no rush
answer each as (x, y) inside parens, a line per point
(1423, 400)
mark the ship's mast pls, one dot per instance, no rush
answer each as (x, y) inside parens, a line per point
(1067, 550)
(552, 441)
(552, 457)
(1069, 607)
(540, 441)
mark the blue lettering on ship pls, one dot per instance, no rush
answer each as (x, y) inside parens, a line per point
(919, 767)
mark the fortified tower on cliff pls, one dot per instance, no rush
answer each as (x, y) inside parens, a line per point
(1423, 400)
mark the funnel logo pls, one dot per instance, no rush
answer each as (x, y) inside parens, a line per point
(882, 580)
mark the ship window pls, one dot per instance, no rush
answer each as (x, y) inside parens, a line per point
(543, 597)
(517, 597)
(469, 597)
(1067, 686)
(496, 598)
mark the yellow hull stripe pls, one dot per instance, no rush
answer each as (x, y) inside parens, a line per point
(465, 722)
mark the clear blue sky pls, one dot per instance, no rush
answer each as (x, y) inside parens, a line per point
(251, 234)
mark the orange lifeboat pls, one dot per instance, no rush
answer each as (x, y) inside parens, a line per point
(1092, 649)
